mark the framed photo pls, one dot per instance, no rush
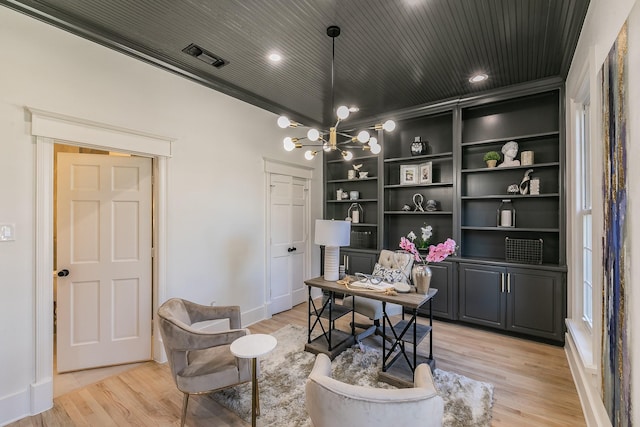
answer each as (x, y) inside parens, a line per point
(408, 174)
(426, 173)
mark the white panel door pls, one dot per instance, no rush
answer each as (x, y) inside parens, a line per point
(288, 233)
(104, 241)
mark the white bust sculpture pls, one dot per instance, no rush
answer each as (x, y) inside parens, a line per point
(510, 151)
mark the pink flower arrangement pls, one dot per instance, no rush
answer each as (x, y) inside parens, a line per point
(436, 253)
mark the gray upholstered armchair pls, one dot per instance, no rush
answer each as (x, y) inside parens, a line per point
(201, 361)
(332, 403)
(393, 266)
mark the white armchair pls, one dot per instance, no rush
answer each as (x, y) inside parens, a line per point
(332, 403)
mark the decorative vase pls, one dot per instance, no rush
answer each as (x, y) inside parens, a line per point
(421, 276)
(419, 147)
(491, 163)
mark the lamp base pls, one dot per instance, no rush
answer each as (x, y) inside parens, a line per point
(331, 263)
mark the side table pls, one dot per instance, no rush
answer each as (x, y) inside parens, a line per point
(251, 347)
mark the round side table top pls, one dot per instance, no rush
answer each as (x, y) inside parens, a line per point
(254, 345)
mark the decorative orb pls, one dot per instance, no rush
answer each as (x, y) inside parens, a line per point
(363, 136)
(342, 112)
(289, 145)
(389, 125)
(283, 122)
(313, 134)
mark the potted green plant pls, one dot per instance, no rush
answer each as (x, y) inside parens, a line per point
(491, 158)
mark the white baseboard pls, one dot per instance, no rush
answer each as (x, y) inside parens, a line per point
(14, 407)
(595, 413)
(254, 316)
(41, 396)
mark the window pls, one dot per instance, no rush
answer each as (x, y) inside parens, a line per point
(584, 179)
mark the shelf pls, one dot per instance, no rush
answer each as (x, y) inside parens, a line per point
(497, 169)
(337, 311)
(363, 224)
(445, 155)
(435, 184)
(418, 213)
(509, 229)
(355, 159)
(517, 138)
(336, 181)
(510, 196)
(421, 331)
(352, 201)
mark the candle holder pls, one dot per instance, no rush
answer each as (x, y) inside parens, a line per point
(506, 214)
(355, 214)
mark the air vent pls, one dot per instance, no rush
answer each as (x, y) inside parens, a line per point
(205, 56)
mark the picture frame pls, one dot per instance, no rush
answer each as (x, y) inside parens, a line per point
(408, 174)
(425, 173)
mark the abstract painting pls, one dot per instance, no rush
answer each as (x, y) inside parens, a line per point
(616, 362)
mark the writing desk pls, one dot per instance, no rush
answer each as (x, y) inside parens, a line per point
(398, 361)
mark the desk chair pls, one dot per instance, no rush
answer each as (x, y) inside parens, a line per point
(393, 266)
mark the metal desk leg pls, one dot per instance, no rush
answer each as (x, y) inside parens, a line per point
(255, 396)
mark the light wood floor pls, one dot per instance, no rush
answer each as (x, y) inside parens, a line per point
(533, 384)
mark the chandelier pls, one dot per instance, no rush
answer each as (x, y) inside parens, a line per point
(317, 139)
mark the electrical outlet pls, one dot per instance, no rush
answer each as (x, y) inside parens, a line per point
(7, 232)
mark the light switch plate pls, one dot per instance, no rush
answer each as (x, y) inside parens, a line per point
(7, 232)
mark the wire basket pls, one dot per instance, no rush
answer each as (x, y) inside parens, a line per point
(527, 251)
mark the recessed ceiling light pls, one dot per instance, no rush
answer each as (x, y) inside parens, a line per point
(478, 78)
(275, 57)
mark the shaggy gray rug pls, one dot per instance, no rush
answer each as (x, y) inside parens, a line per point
(285, 370)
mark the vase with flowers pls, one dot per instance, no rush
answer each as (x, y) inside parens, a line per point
(421, 273)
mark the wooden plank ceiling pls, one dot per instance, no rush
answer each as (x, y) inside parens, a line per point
(391, 54)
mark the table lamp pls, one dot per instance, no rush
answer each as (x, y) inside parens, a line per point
(332, 234)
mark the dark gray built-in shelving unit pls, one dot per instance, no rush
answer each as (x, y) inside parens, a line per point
(478, 285)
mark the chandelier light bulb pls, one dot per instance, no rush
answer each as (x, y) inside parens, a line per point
(326, 147)
(313, 134)
(347, 155)
(375, 149)
(389, 125)
(373, 141)
(309, 155)
(342, 112)
(289, 145)
(363, 136)
(283, 122)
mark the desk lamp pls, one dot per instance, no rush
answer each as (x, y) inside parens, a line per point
(332, 234)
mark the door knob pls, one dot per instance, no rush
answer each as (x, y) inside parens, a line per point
(292, 249)
(63, 273)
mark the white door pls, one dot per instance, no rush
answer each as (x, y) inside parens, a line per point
(288, 232)
(104, 241)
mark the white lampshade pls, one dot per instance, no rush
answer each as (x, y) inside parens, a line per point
(332, 234)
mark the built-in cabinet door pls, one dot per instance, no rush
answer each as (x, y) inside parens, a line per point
(442, 280)
(535, 302)
(358, 262)
(482, 296)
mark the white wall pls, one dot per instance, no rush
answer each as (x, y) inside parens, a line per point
(602, 25)
(216, 185)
